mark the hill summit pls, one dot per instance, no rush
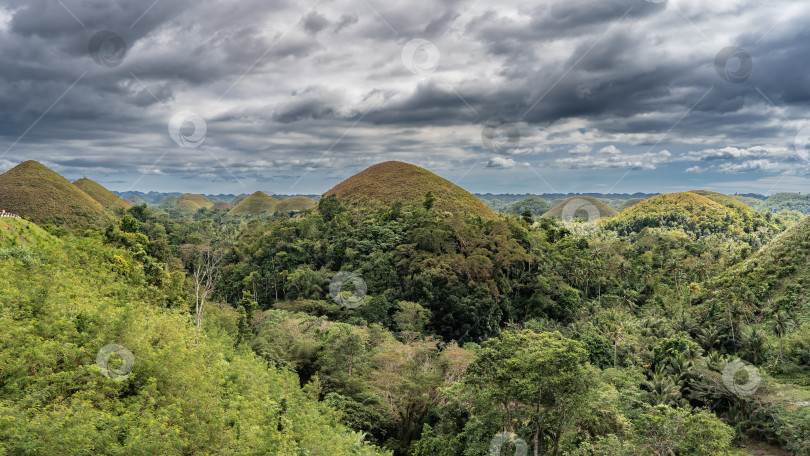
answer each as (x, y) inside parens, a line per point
(258, 203)
(37, 193)
(580, 208)
(384, 183)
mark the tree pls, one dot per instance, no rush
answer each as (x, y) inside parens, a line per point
(245, 326)
(430, 200)
(539, 378)
(204, 264)
(781, 323)
(329, 207)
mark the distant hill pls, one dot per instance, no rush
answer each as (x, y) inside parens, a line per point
(33, 191)
(630, 203)
(537, 206)
(580, 208)
(698, 213)
(190, 202)
(105, 197)
(787, 202)
(222, 205)
(385, 183)
(257, 204)
(135, 199)
(296, 203)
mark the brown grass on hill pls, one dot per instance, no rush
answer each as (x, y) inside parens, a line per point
(387, 182)
(39, 194)
(105, 197)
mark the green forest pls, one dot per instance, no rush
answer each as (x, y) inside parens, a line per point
(380, 325)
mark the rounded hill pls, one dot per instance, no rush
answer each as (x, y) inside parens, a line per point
(384, 183)
(580, 209)
(105, 197)
(192, 202)
(296, 203)
(37, 193)
(698, 213)
(536, 205)
(257, 204)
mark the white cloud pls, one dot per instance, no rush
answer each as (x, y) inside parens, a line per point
(501, 162)
(580, 149)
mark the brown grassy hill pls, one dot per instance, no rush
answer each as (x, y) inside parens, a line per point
(385, 183)
(35, 192)
(296, 203)
(192, 202)
(699, 213)
(255, 205)
(105, 197)
(580, 208)
(222, 205)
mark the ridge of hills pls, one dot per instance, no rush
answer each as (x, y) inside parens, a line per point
(39, 194)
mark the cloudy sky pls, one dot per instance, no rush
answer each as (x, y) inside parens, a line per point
(508, 96)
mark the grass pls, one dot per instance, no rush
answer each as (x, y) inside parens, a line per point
(296, 203)
(387, 182)
(36, 193)
(605, 211)
(105, 197)
(255, 205)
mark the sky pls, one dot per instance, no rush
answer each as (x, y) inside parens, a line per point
(292, 97)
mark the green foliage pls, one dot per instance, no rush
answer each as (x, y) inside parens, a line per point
(184, 394)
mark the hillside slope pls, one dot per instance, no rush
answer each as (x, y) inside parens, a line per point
(257, 204)
(105, 197)
(775, 278)
(384, 183)
(296, 203)
(37, 193)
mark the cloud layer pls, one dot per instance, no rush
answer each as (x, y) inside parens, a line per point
(295, 97)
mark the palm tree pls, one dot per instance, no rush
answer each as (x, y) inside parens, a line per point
(781, 324)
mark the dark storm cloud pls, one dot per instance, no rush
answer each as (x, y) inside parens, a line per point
(286, 87)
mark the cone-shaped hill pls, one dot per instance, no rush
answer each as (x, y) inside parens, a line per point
(222, 205)
(387, 182)
(105, 197)
(697, 212)
(774, 278)
(191, 202)
(257, 204)
(33, 191)
(536, 205)
(296, 203)
(580, 208)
